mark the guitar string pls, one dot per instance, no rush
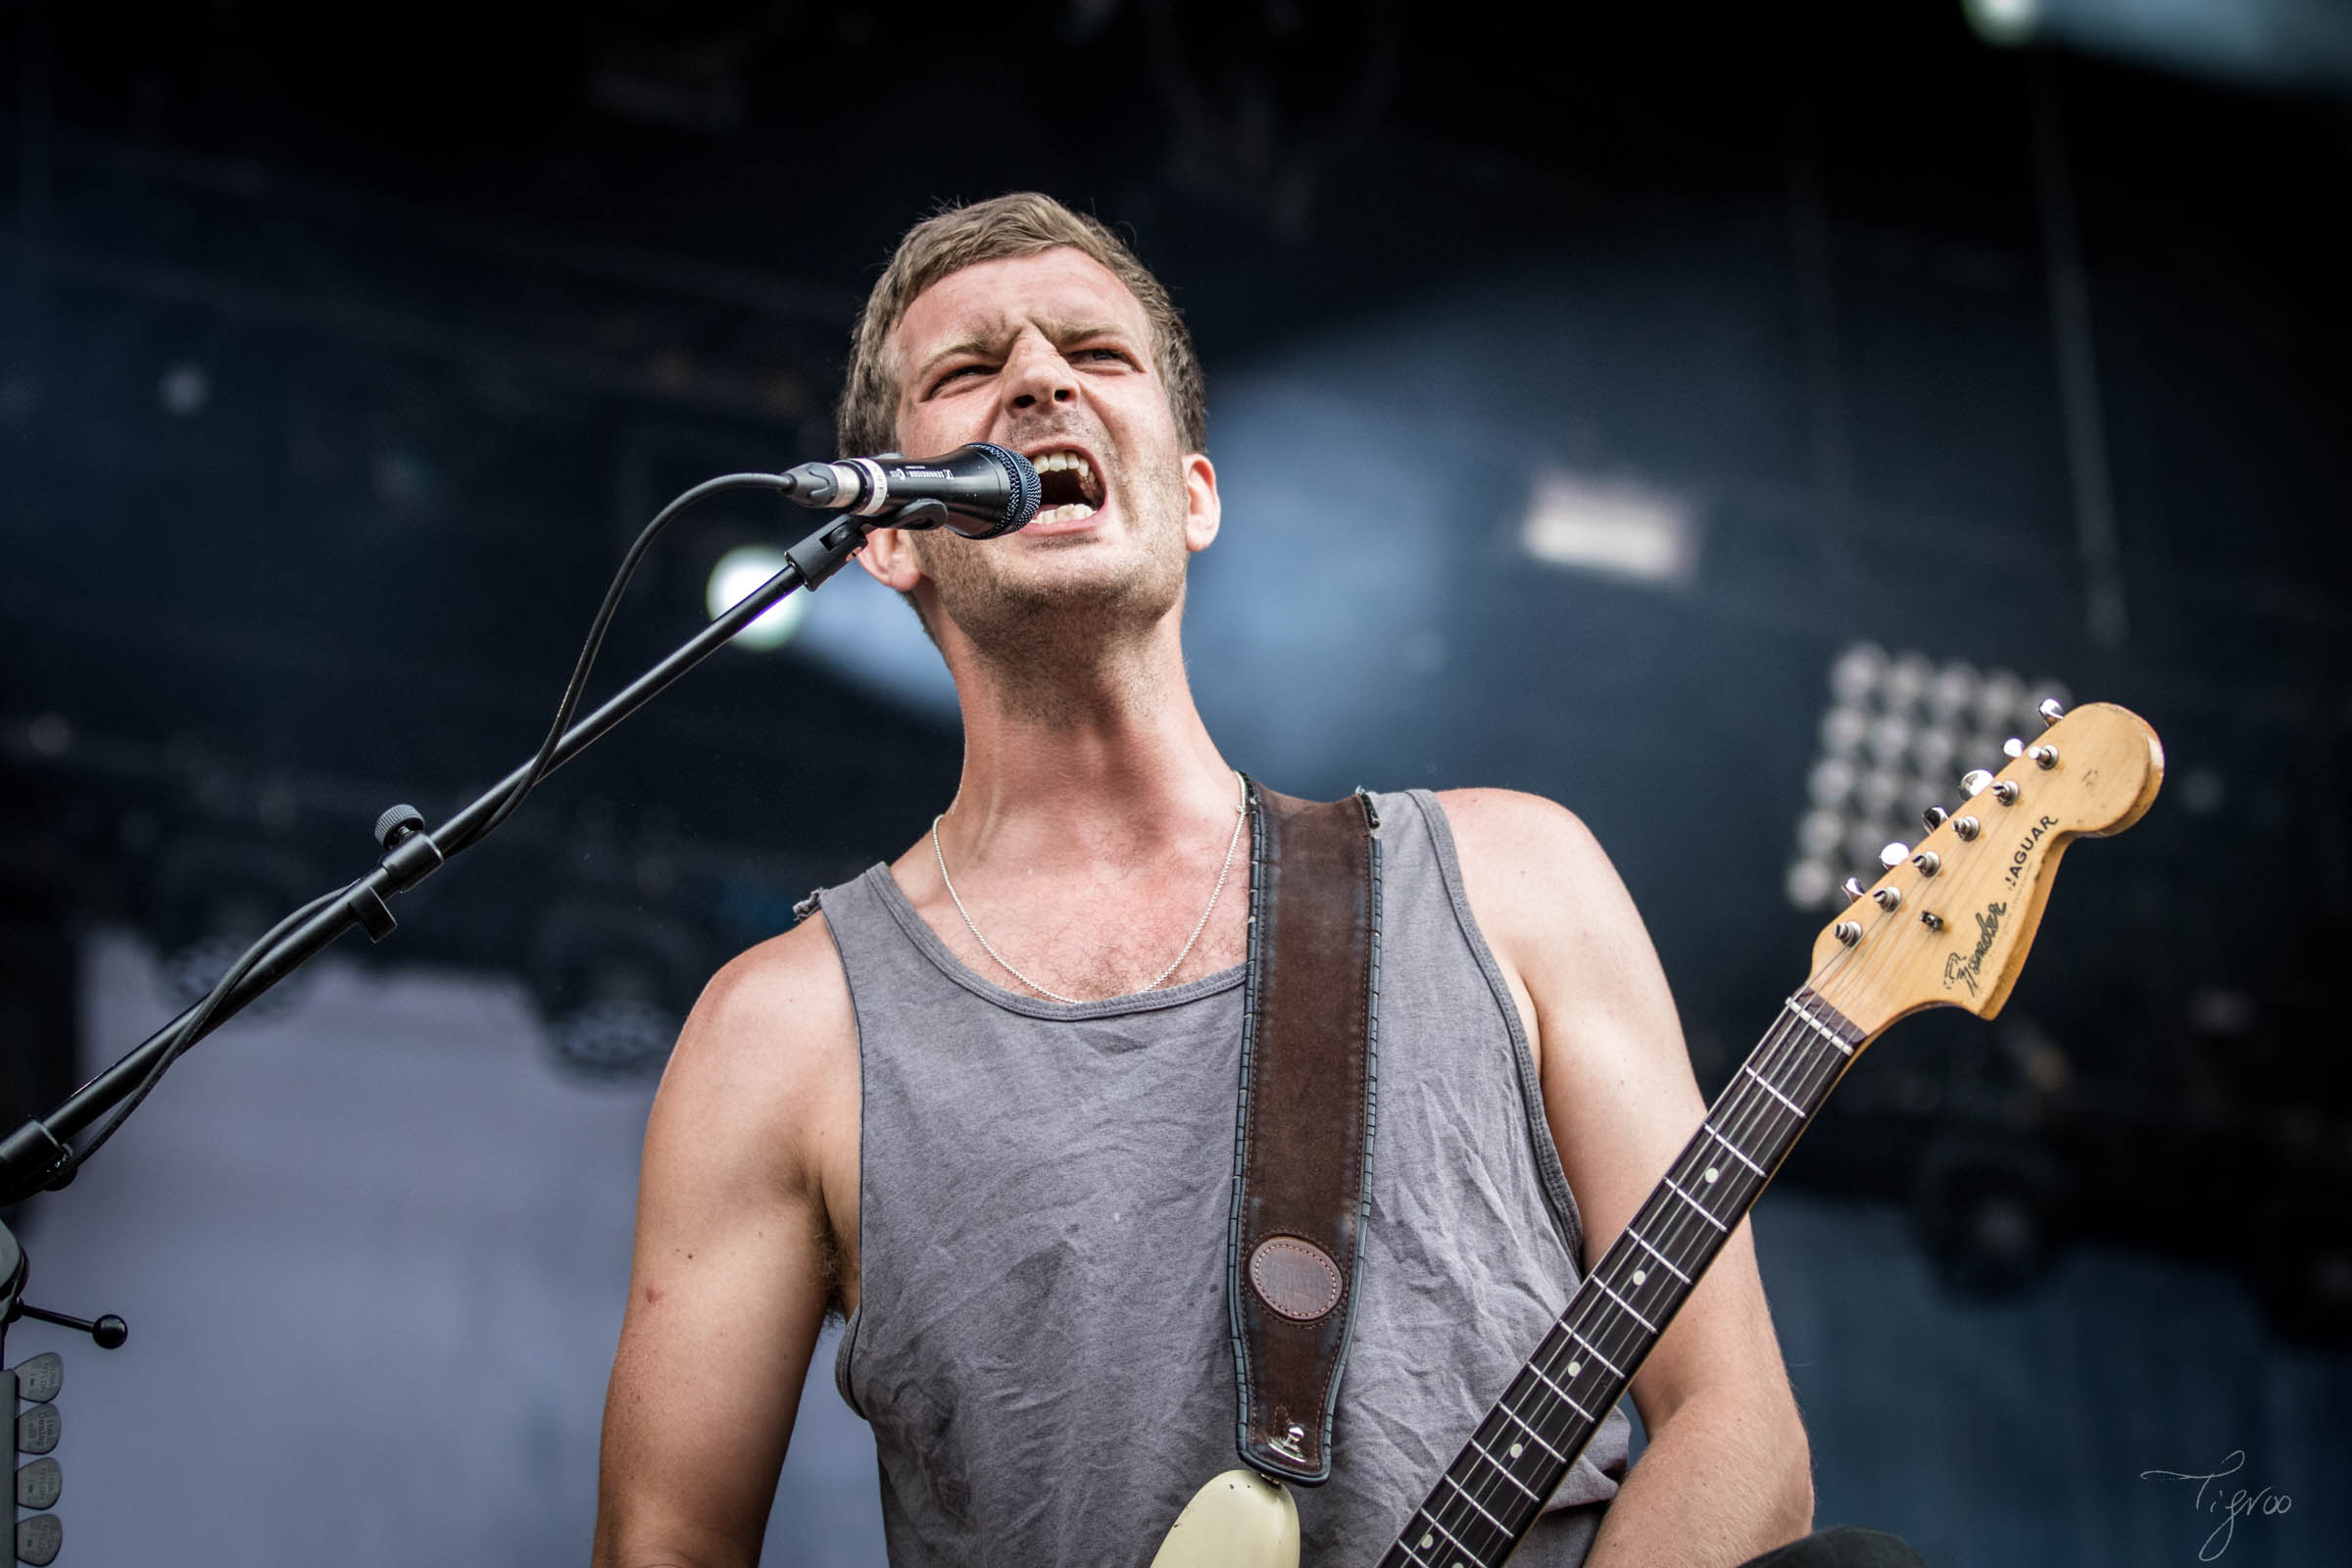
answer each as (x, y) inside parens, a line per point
(1738, 1123)
(1603, 1325)
(1549, 1409)
(1736, 1128)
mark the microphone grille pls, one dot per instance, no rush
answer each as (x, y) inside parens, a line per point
(1022, 491)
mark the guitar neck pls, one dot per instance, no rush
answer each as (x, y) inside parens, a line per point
(1489, 1498)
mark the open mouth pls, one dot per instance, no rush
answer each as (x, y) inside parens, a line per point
(1068, 489)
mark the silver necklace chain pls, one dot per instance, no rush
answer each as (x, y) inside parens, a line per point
(1241, 815)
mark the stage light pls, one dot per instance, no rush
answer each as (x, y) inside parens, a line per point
(2279, 44)
(1617, 528)
(1898, 734)
(1809, 883)
(740, 571)
(184, 390)
(2003, 22)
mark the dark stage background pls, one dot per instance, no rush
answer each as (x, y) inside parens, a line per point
(1729, 426)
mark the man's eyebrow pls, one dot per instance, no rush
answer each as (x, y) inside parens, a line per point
(1072, 332)
(978, 343)
(993, 341)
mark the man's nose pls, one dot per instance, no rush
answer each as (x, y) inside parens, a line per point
(1038, 376)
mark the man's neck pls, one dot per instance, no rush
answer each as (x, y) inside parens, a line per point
(1085, 771)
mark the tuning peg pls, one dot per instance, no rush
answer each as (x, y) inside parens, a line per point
(1975, 782)
(1894, 854)
(1851, 886)
(1928, 862)
(1933, 818)
(1847, 932)
(2013, 748)
(2044, 756)
(1967, 827)
(1889, 898)
(2005, 791)
(2050, 711)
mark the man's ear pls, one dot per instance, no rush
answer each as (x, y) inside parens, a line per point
(1202, 511)
(889, 557)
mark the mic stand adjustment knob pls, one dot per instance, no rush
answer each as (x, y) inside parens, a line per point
(108, 1332)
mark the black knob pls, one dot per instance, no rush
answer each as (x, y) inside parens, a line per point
(108, 1332)
(397, 823)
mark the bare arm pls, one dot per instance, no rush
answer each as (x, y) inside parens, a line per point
(728, 1286)
(1727, 1473)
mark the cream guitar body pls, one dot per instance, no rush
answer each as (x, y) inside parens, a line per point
(1239, 1520)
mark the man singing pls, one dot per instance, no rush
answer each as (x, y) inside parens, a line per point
(982, 1103)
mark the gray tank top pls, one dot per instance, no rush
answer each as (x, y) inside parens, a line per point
(1041, 1342)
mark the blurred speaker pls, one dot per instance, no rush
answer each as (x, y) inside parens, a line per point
(39, 1014)
(208, 900)
(1992, 1212)
(2301, 1265)
(613, 984)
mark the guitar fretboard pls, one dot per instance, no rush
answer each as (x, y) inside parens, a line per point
(1492, 1494)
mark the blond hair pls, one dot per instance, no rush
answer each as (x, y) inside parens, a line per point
(1023, 223)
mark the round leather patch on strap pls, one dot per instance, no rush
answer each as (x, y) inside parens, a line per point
(1294, 1278)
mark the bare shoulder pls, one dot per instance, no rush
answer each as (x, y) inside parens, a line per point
(757, 1069)
(1564, 931)
(1501, 827)
(1533, 872)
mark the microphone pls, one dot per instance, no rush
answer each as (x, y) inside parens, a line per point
(978, 491)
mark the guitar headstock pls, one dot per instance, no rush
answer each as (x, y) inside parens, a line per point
(1951, 921)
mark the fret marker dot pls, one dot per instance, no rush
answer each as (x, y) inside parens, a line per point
(1427, 1540)
(1639, 1275)
(1516, 1451)
(1713, 1173)
(1574, 1367)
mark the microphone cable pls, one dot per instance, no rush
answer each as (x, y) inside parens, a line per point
(192, 1025)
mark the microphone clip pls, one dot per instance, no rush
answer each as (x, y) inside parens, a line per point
(920, 514)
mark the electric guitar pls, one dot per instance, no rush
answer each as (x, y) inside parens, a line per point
(1948, 926)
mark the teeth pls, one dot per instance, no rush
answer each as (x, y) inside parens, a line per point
(1071, 512)
(1059, 462)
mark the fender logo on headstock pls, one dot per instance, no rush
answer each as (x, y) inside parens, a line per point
(1989, 926)
(2025, 850)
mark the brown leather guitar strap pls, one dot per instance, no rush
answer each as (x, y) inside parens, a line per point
(1302, 1147)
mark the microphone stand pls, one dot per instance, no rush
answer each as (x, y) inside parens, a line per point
(38, 1153)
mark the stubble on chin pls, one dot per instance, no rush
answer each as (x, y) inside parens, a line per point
(1052, 638)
